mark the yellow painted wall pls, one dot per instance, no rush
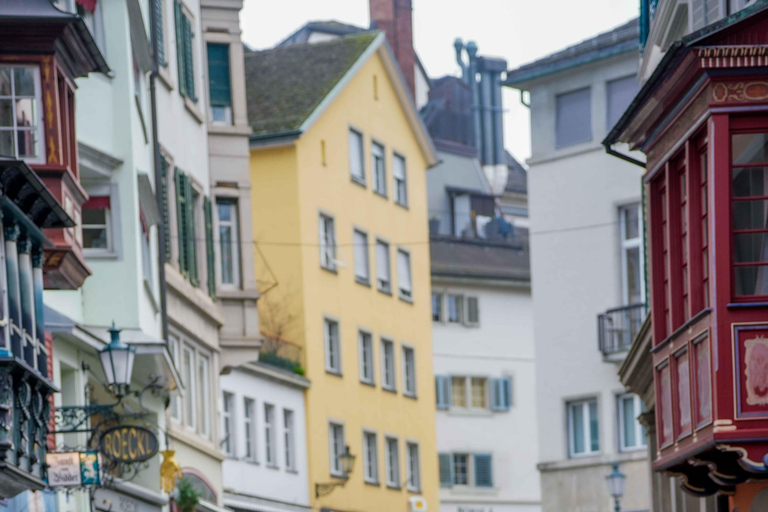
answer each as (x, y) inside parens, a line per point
(295, 178)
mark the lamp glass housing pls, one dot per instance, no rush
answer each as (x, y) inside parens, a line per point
(347, 461)
(616, 482)
(117, 361)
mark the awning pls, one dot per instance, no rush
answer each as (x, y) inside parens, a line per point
(147, 200)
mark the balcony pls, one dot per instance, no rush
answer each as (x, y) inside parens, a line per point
(616, 328)
(281, 354)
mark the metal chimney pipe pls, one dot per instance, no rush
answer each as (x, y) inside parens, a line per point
(498, 121)
(476, 110)
(458, 45)
(486, 79)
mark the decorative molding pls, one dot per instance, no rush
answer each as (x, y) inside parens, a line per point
(740, 92)
(747, 56)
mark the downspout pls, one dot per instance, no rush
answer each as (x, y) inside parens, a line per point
(476, 114)
(487, 111)
(626, 158)
(498, 121)
(159, 181)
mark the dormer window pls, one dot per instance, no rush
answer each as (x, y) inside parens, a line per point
(21, 119)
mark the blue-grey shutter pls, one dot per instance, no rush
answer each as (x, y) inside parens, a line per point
(218, 75)
(443, 391)
(180, 59)
(159, 32)
(189, 61)
(501, 394)
(483, 470)
(165, 207)
(446, 470)
(573, 124)
(506, 388)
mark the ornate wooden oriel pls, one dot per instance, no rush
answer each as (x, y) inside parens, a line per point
(702, 121)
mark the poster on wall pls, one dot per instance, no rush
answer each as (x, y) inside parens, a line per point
(751, 371)
(73, 469)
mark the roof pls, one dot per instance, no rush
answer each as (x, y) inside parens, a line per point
(479, 259)
(620, 40)
(286, 84)
(332, 27)
(517, 179)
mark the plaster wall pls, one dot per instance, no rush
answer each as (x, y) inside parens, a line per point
(454, 171)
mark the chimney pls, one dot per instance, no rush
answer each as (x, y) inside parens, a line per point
(395, 19)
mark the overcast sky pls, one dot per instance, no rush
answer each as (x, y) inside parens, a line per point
(518, 30)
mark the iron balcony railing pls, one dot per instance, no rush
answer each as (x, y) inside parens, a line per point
(616, 328)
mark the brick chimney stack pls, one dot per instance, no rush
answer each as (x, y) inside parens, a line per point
(395, 19)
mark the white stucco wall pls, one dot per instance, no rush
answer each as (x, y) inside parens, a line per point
(502, 345)
(255, 478)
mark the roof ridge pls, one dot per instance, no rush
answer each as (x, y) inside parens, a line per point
(318, 44)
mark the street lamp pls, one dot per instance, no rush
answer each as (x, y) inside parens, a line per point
(615, 483)
(117, 362)
(347, 463)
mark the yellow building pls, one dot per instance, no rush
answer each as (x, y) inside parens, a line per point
(338, 167)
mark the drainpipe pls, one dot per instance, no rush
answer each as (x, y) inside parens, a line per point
(485, 94)
(458, 45)
(498, 122)
(159, 181)
(477, 115)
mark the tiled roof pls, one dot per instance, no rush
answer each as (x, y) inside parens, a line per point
(619, 40)
(285, 85)
(479, 259)
(325, 26)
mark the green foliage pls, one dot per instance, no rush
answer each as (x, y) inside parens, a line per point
(298, 370)
(187, 497)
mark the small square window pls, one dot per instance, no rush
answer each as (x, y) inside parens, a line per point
(97, 224)
(583, 428)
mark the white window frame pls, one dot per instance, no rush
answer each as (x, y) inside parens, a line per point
(108, 226)
(405, 293)
(234, 225)
(584, 404)
(360, 179)
(204, 374)
(413, 465)
(440, 303)
(289, 439)
(628, 244)
(40, 128)
(379, 168)
(393, 461)
(370, 457)
(366, 356)
(227, 424)
(175, 349)
(638, 428)
(190, 393)
(249, 429)
(383, 285)
(468, 395)
(332, 346)
(400, 199)
(409, 390)
(336, 447)
(467, 466)
(466, 301)
(360, 248)
(270, 436)
(459, 308)
(388, 375)
(327, 240)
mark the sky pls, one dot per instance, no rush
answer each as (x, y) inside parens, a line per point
(519, 31)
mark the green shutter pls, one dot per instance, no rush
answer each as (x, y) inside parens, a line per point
(446, 470)
(165, 207)
(209, 257)
(191, 244)
(159, 32)
(483, 470)
(181, 219)
(218, 75)
(189, 61)
(180, 57)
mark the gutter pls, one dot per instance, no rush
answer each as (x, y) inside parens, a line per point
(284, 137)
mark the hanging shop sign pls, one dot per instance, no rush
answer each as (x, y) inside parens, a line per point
(73, 469)
(128, 443)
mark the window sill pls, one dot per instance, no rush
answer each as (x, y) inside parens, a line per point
(414, 490)
(373, 483)
(394, 487)
(252, 462)
(382, 195)
(292, 471)
(334, 373)
(273, 466)
(389, 390)
(404, 206)
(457, 411)
(359, 182)
(332, 270)
(193, 109)
(97, 254)
(385, 291)
(229, 129)
(368, 383)
(165, 78)
(405, 298)
(362, 281)
(410, 395)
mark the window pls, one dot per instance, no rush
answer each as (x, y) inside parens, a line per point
(360, 244)
(573, 118)
(458, 391)
(370, 458)
(188, 372)
(175, 399)
(620, 93)
(327, 242)
(409, 372)
(289, 438)
(218, 83)
(437, 307)
(229, 246)
(270, 440)
(460, 469)
(379, 169)
(332, 346)
(443, 392)
(356, 164)
(479, 394)
(21, 115)
(583, 428)
(445, 464)
(97, 224)
(473, 312)
(203, 373)
(750, 227)
(388, 365)
(414, 472)
(227, 430)
(185, 59)
(383, 279)
(631, 433)
(399, 177)
(336, 440)
(393, 462)
(404, 274)
(501, 394)
(186, 224)
(466, 469)
(633, 280)
(249, 429)
(146, 253)
(366, 357)
(455, 306)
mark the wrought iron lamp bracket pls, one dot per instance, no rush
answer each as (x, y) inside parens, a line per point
(327, 488)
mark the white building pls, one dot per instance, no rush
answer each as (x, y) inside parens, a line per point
(587, 272)
(264, 439)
